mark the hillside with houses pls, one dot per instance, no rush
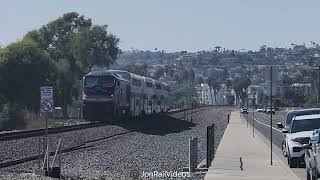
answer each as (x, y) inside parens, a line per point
(212, 76)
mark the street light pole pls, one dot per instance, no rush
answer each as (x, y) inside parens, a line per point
(253, 107)
(271, 111)
(318, 99)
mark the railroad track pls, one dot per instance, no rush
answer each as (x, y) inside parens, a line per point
(40, 132)
(84, 145)
(54, 130)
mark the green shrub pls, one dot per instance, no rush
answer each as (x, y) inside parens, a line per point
(11, 117)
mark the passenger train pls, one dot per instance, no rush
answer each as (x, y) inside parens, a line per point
(117, 94)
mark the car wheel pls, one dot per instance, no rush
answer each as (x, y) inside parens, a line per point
(293, 163)
(314, 175)
(284, 152)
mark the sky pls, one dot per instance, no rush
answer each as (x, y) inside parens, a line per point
(176, 25)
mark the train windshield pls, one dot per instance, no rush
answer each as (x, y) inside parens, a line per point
(91, 81)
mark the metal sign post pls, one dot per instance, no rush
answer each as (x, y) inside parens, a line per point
(46, 106)
(253, 107)
(318, 99)
(271, 111)
(253, 121)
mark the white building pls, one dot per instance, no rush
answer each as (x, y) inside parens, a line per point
(205, 96)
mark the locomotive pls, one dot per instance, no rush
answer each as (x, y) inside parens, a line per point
(117, 94)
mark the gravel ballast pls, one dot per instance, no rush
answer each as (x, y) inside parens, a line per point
(156, 144)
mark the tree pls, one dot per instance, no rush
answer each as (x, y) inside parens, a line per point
(159, 72)
(215, 85)
(228, 84)
(239, 84)
(169, 70)
(200, 80)
(210, 84)
(95, 47)
(75, 45)
(139, 69)
(24, 67)
(185, 76)
(192, 75)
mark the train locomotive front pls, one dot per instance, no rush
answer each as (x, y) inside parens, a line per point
(106, 96)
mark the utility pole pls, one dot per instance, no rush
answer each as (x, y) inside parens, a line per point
(253, 107)
(271, 111)
(318, 99)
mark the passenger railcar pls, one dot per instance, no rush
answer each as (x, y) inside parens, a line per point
(116, 94)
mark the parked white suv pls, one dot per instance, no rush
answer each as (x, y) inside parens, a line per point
(287, 123)
(301, 129)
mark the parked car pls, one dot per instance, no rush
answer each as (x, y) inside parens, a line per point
(289, 117)
(312, 156)
(244, 110)
(271, 110)
(298, 112)
(301, 129)
(261, 110)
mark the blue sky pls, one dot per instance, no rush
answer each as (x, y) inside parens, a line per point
(174, 25)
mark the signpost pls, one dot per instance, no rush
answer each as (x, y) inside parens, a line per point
(253, 107)
(271, 75)
(46, 106)
(271, 111)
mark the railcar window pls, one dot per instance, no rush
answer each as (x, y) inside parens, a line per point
(124, 75)
(101, 80)
(136, 82)
(106, 80)
(158, 86)
(149, 84)
(166, 88)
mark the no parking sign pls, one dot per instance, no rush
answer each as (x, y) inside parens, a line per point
(46, 103)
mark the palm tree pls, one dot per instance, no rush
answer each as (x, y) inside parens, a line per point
(210, 84)
(215, 85)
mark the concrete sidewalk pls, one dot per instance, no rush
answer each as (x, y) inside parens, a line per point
(240, 156)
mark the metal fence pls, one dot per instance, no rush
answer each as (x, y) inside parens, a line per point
(210, 144)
